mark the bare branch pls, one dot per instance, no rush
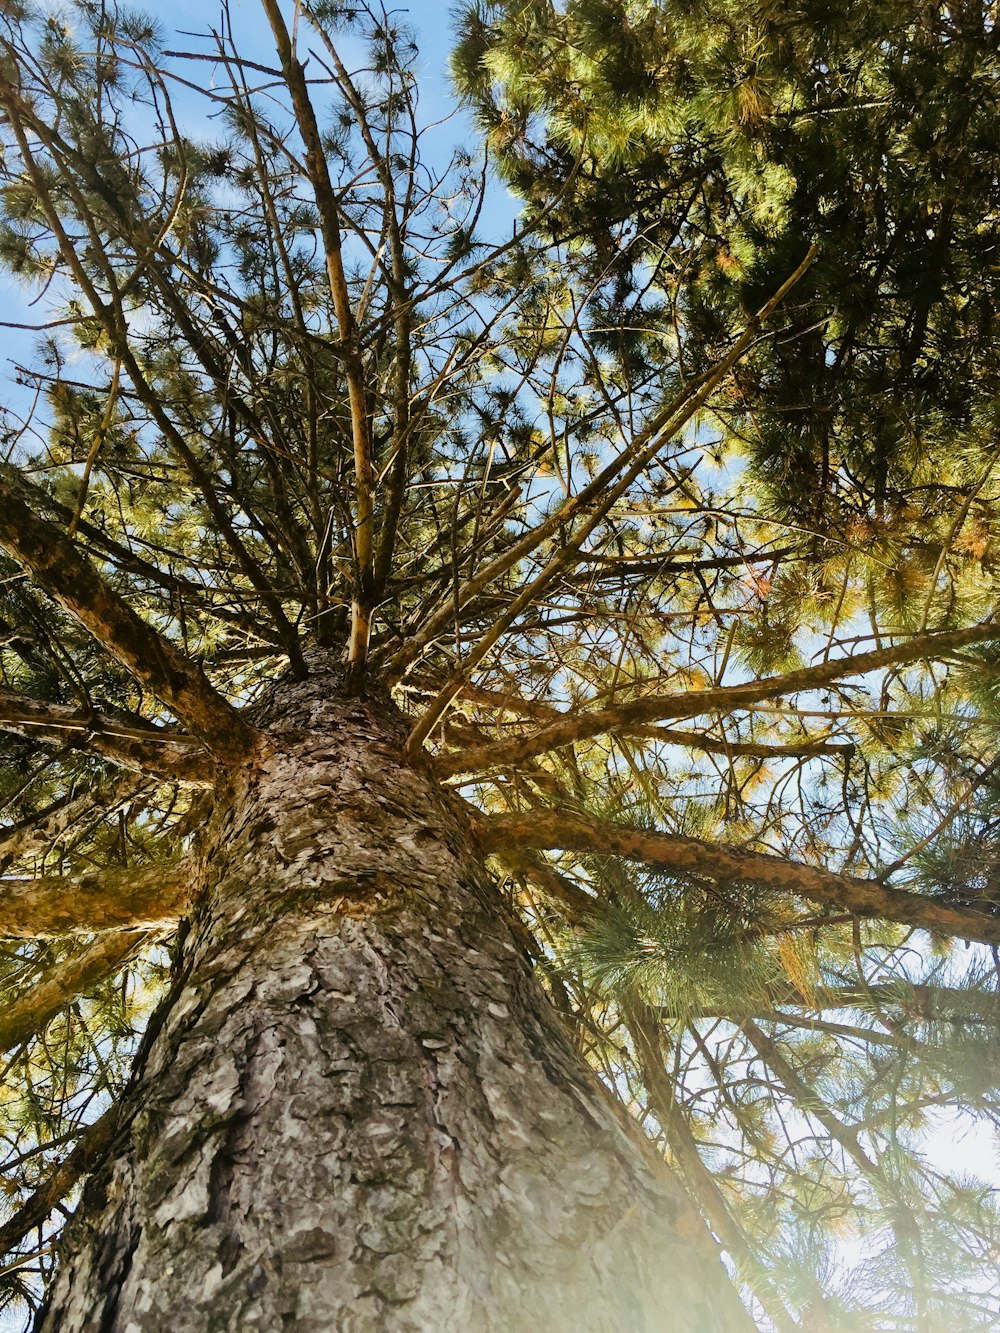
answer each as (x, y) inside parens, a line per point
(694, 740)
(806, 748)
(807, 1098)
(927, 1003)
(113, 318)
(625, 717)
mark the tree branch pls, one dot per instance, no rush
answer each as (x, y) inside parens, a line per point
(362, 606)
(84, 1157)
(41, 829)
(594, 500)
(139, 898)
(581, 725)
(805, 748)
(55, 565)
(32, 1012)
(694, 740)
(645, 1033)
(809, 1100)
(925, 1003)
(159, 754)
(541, 828)
(124, 558)
(113, 318)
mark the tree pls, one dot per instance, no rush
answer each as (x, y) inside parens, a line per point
(521, 818)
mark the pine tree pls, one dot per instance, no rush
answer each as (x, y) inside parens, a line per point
(691, 148)
(496, 736)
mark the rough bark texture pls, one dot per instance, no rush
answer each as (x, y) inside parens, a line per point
(359, 1112)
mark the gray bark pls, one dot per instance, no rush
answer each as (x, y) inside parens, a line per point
(358, 1111)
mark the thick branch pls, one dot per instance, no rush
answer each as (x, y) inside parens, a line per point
(157, 753)
(123, 557)
(805, 748)
(540, 828)
(575, 905)
(32, 1012)
(579, 725)
(140, 898)
(81, 1160)
(56, 565)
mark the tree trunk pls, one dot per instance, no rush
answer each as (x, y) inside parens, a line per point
(358, 1111)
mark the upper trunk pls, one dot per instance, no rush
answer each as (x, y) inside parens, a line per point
(358, 1110)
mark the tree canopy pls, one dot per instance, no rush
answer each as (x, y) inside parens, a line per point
(667, 515)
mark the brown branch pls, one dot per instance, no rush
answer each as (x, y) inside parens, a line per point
(204, 479)
(850, 1031)
(114, 320)
(581, 725)
(159, 754)
(925, 1003)
(122, 557)
(84, 1157)
(576, 905)
(692, 740)
(42, 828)
(546, 828)
(56, 566)
(594, 500)
(567, 554)
(32, 1012)
(667, 562)
(402, 318)
(363, 604)
(645, 1034)
(139, 898)
(809, 1100)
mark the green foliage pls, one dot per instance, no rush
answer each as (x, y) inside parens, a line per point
(710, 144)
(671, 947)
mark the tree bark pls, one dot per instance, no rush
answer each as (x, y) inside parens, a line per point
(358, 1111)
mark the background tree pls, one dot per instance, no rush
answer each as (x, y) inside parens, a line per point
(667, 524)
